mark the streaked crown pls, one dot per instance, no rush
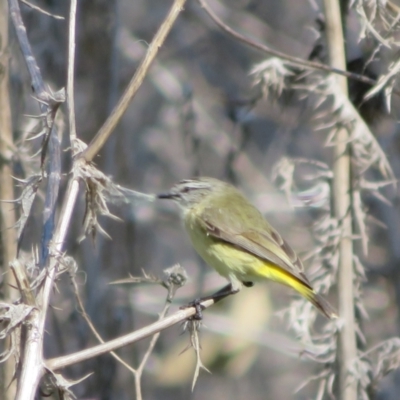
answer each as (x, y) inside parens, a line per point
(190, 192)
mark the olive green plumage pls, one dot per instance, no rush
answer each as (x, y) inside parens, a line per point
(233, 237)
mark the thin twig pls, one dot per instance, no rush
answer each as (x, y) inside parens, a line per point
(177, 317)
(284, 56)
(48, 101)
(139, 370)
(92, 327)
(70, 76)
(52, 191)
(34, 7)
(34, 71)
(107, 129)
(172, 287)
(176, 278)
(194, 327)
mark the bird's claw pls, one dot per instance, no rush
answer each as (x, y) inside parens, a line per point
(198, 316)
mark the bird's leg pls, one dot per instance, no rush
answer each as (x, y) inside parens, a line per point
(217, 296)
(222, 293)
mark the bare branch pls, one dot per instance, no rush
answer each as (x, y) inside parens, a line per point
(177, 317)
(34, 7)
(70, 75)
(295, 60)
(342, 203)
(106, 130)
(8, 237)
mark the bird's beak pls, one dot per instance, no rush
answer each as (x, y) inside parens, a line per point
(166, 196)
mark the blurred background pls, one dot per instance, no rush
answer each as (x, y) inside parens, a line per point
(199, 113)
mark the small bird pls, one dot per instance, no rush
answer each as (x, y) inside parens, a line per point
(232, 236)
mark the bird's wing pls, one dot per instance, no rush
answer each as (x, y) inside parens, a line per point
(266, 244)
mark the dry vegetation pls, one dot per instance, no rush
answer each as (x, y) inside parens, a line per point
(104, 103)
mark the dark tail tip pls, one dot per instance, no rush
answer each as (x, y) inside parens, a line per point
(324, 306)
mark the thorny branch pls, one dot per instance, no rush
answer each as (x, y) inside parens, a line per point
(296, 61)
(336, 114)
(31, 370)
(48, 102)
(177, 317)
(361, 140)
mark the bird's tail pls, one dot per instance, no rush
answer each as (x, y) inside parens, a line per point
(313, 297)
(320, 303)
(280, 275)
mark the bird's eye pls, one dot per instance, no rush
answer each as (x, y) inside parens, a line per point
(185, 190)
